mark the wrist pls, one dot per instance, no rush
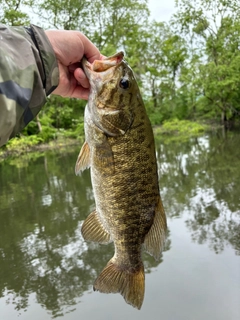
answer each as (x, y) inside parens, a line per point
(49, 63)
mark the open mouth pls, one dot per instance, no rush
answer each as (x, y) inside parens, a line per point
(103, 65)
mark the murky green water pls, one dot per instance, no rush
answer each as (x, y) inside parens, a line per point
(47, 270)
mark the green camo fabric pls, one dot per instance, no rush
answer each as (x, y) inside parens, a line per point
(28, 74)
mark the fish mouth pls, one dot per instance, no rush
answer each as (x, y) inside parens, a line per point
(99, 66)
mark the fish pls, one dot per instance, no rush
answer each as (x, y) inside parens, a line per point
(119, 149)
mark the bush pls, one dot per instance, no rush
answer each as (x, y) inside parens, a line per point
(181, 127)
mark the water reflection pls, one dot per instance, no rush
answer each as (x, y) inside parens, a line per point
(201, 177)
(43, 204)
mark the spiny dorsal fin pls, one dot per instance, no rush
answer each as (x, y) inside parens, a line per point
(130, 284)
(83, 160)
(93, 230)
(154, 240)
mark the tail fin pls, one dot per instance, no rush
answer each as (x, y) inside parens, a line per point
(130, 284)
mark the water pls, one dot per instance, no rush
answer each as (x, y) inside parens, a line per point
(47, 270)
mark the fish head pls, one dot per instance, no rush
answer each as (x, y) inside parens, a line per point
(113, 87)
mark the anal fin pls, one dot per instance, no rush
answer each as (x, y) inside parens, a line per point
(154, 240)
(93, 230)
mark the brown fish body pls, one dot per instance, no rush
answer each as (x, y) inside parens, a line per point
(120, 150)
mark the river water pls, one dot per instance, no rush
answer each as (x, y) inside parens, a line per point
(47, 269)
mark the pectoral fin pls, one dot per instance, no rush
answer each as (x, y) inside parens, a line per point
(154, 240)
(83, 160)
(93, 230)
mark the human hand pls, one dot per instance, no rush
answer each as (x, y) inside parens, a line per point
(69, 48)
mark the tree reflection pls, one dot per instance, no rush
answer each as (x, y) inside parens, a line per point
(201, 178)
(42, 206)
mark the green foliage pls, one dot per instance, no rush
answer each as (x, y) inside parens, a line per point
(77, 132)
(11, 13)
(180, 129)
(214, 29)
(187, 69)
(48, 133)
(156, 118)
(60, 117)
(23, 143)
(31, 128)
(63, 112)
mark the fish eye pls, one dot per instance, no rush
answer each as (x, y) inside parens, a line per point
(124, 83)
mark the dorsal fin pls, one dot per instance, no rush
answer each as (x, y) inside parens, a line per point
(154, 240)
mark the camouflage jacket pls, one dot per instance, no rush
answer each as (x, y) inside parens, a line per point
(28, 74)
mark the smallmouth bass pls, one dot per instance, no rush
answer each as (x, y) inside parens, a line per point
(119, 148)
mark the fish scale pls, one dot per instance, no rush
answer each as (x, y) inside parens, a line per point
(120, 151)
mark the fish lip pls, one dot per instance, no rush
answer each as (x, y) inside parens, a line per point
(100, 66)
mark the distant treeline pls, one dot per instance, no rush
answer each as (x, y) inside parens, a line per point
(188, 68)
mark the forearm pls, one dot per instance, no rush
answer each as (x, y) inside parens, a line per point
(28, 73)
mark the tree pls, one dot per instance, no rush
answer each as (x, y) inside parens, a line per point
(63, 14)
(213, 28)
(110, 24)
(11, 12)
(164, 55)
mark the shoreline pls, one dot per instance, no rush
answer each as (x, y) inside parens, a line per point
(176, 130)
(42, 147)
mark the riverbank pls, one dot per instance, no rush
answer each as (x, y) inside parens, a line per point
(172, 130)
(21, 147)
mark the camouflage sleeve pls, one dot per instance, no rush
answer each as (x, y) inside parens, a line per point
(28, 74)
